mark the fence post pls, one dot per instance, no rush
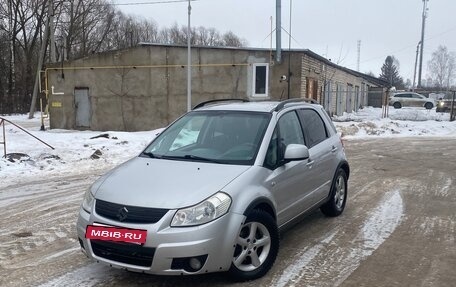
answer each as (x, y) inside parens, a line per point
(452, 112)
(2, 123)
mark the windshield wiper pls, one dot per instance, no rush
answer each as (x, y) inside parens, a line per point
(195, 157)
(150, 154)
(187, 156)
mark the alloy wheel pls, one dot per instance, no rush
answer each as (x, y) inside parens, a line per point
(253, 246)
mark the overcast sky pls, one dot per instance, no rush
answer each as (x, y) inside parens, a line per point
(330, 28)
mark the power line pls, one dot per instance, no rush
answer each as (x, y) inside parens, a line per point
(150, 2)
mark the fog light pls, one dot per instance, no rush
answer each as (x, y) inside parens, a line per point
(195, 263)
(189, 264)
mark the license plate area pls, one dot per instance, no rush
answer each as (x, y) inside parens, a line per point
(119, 234)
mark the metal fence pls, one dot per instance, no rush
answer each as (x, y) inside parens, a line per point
(349, 100)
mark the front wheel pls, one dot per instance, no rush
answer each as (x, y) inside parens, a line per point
(338, 198)
(256, 248)
(397, 105)
(428, 106)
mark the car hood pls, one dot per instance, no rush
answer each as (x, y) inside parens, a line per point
(164, 183)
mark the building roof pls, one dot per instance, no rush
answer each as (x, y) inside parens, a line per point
(284, 51)
(307, 52)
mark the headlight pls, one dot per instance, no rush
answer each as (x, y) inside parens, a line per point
(204, 212)
(88, 201)
(441, 104)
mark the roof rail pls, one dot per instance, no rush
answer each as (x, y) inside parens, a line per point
(282, 104)
(202, 104)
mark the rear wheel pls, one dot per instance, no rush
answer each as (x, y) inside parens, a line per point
(256, 248)
(338, 198)
(428, 106)
(397, 105)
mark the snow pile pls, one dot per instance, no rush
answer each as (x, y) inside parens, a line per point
(75, 151)
(403, 122)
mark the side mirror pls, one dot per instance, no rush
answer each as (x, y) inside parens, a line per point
(296, 152)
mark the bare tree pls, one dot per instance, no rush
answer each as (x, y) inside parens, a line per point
(82, 27)
(232, 40)
(442, 67)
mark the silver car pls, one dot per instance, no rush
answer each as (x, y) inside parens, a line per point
(409, 99)
(212, 191)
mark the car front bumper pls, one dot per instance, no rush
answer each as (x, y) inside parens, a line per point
(170, 248)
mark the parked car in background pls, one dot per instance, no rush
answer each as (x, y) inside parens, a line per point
(212, 191)
(410, 99)
(444, 103)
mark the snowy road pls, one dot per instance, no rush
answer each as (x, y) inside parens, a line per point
(398, 229)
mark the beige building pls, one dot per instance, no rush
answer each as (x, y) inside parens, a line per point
(145, 87)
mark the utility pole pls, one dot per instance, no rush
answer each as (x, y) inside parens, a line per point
(289, 52)
(11, 76)
(189, 62)
(278, 31)
(416, 63)
(422, 41)
(359, 55)
(40, 65)
(51, 32)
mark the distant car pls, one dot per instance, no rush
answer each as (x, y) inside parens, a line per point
(211, 192)
(444, 104)
(409, 99)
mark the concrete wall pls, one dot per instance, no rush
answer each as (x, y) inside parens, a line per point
(125, 95)
(144, 88)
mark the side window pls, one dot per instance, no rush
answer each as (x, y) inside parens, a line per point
(272, 155)
(314, 127)
(288, 131)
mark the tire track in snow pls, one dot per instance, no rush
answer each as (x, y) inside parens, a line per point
(86, 276)
(332, 259)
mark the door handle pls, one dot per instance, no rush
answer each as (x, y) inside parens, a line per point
(333, 149)
(310, 163)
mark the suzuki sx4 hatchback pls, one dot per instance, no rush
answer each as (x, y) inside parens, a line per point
(212, 191)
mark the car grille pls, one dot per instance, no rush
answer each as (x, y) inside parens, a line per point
(134, 214)
(123, 252)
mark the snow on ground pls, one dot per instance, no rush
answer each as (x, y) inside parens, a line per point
(72, 154)
(74, 149)
(403, 122)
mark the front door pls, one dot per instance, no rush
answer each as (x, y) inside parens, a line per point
(83, 107)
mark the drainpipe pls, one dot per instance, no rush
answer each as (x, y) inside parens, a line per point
(278, 31)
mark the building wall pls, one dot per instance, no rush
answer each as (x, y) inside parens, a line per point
(144, 88)
(337, 85)
(125, 95)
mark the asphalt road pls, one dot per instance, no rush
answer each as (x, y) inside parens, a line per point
(398, 228)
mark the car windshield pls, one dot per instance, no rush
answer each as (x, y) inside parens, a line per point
(228, 137)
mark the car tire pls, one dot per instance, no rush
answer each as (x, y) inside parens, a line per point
(428, 106)
(397, 105)
(258, 235)
(338, 197)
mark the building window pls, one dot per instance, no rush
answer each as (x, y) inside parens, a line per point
(260, 80)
